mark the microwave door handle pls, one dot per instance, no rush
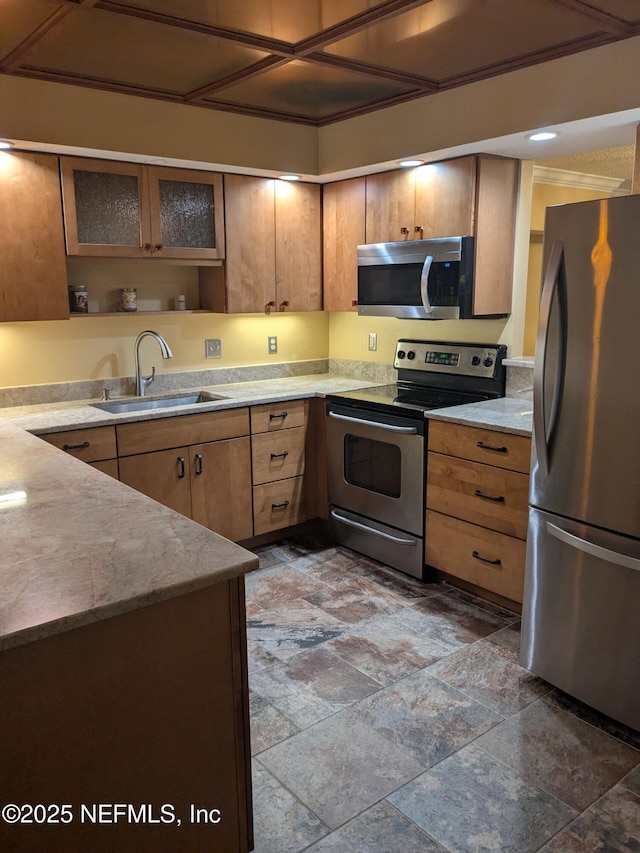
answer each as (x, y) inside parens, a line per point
(424, 284)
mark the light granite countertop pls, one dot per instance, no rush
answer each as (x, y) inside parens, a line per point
(80, 546)
(507, 414)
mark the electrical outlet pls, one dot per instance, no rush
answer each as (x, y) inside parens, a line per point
(213, 347)
(373, 341)
(273, 344)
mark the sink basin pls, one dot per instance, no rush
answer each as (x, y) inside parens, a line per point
(143, 404)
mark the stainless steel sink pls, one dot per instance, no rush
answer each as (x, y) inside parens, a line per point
(143, 404)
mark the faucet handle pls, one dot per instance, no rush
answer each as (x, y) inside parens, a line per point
(106, 393)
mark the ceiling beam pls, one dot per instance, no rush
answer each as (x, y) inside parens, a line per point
(608, 22)
(253, 70)
(424, 84)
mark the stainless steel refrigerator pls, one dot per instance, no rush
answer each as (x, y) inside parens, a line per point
(581, 611)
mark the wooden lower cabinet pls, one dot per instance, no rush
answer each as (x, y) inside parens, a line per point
(95, 445)
(145, 707)
(278, 445)
(478, 555)
(477, 506)
(199, 465)
(210, 483)
(277, 505)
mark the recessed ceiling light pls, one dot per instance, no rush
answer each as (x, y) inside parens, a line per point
(407, 163)
(5, 144)
(542, 135)
(289, 177)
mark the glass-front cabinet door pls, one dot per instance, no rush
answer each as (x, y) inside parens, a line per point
(129, 210)
(187, 217)
(105, 208)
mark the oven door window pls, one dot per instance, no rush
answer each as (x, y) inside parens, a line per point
(372, 465)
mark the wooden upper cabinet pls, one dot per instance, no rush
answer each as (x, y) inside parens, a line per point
(343, 216)
(128, 210)
(298, 241)
(390, 207)
(33, 285)
(250, 266)
(273, 245)
(445, 198)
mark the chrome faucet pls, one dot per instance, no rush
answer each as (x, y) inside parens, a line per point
(143, 382)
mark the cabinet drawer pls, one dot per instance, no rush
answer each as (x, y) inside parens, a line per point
(482, 557)
(277, 456)
(164, 433)
(278, 505)
(89, 445)
(482, 494)
(277, 416)
(481, 445)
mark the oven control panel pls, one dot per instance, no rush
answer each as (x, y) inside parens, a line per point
(481, 360)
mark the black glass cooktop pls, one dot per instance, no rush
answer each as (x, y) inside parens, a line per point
(411, 398)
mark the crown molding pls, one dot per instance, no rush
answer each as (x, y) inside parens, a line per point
(579, 180)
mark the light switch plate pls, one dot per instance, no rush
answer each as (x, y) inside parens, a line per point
(213, 347)
(273, 344)
(373, 341)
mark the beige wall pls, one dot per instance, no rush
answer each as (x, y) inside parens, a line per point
(102, 347)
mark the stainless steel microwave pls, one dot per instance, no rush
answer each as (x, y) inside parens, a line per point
(417, 279)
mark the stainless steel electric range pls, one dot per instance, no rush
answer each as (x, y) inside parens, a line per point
(377, 445)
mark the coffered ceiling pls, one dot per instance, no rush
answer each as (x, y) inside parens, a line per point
(312, 62)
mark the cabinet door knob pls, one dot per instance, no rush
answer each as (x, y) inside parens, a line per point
(490, 447)
(273, 416)
(181, 468)
(404, 231)
(354, 302)
(157, 247)
(284, 305)
(419, 230)
(280, 455)
(268, 307)
(280, 506)
(198, 463)
(147, 247)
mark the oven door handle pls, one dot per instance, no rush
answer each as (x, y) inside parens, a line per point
(377, 424)
(350, 523)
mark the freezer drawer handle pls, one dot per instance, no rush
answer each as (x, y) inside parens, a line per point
(350, 523)
(376, 424)
(478, 556)
(280, 506)
(497, 498)
(489, 447)
(592, 549)
(82, 446)
(279, 455)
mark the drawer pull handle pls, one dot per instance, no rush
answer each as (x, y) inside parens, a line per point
(489, 447)
(181, 468)
(486, 559)
(279, 455)
(82, 446)
(277, 415)
(280, 506)
(497, 498)
(198, 463)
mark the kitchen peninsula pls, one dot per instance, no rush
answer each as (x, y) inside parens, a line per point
(122, 662)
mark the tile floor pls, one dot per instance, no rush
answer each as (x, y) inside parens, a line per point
(391, 715)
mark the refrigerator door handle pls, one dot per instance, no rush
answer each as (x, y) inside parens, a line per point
(592, 549)
(549, 289)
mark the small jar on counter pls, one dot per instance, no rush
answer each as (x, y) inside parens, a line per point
(181, 303)
(129, 297)
(78, 299)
